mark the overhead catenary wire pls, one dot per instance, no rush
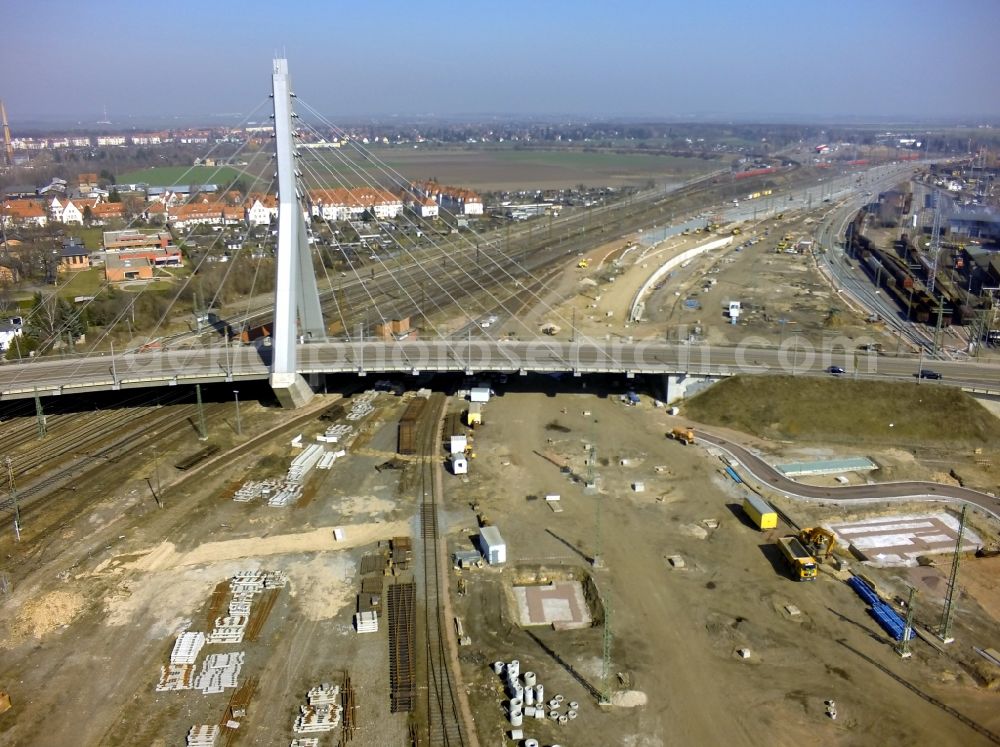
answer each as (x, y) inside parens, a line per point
(80, 310)
(128, 309)
(398, 179)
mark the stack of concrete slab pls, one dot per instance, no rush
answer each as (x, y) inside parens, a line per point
(324, 694)
(203, 735)
(229, 629)
(186, 648)
(175, 677)
(336, 433)
(312, 719)
(241, 602)
(327, 460)
(305, 742)
(304, 462)
(255, 581)
(251, 490)
(286, 495)
(362, 406)
(219, 672)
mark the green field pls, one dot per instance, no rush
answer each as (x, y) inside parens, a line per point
(168, 176)
(805, 408)
(488, 169)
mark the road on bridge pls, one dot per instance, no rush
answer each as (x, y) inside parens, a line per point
(221, 364)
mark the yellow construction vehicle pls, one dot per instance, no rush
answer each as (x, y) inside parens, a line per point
(684, 435)
(583, 264)
(820, 541)
(736, 232)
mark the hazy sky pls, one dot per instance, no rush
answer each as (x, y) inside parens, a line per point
(770, 58)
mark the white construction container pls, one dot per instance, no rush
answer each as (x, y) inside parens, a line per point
(479, 394)
(493, 547)
(457, 444)
(459, 464)
(366, 622)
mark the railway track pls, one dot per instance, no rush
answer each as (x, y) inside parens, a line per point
(444, 726)
(73, 433)
(84, 447)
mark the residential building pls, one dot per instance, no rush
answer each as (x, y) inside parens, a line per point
(73, 256)
(68, 211)
(195, 213)
(102, 212)
(457, 200)
(110, 140)
(425, 207)
(261, 209)
(132, 238)
(118, 269)
(351, 204)
(87, 182)
(10, 329)
(23, 213)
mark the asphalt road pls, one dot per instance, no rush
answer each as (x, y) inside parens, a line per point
(796, 356)
(887, 491)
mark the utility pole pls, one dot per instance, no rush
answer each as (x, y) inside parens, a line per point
(606, 657)
(239, 423)
(13, 497)
(945, 632)
(202, 429)
(903, 647)
(591, 487)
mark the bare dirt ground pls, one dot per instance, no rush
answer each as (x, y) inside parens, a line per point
(96, 598)
(676, 630)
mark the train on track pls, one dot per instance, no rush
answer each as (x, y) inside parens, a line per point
(904, 273)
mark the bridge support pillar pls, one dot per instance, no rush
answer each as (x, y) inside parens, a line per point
(292, 390)
(678, 386)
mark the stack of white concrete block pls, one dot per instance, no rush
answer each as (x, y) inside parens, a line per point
(327, 460)
(305, 742)
(361, 406)
(324, 694)
(251, 490)
(203, 735)
(219, 672)
(336, 433)
(304, 462)
(255, 581)
(312, 719)
(175, 677)
(241, 602)
(229, 629)
(186, 648)
(286, 494)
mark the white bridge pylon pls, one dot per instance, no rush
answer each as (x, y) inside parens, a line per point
(297, 312)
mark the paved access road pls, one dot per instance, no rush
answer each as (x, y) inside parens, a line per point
(887, 491)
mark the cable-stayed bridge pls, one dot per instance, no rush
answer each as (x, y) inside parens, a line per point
(430, 283)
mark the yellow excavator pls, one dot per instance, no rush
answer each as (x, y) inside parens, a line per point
(820, 541)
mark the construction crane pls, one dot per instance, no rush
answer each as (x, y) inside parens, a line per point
(8, 147)
(945, 631)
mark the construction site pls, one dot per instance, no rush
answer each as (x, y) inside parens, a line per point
(329, 577)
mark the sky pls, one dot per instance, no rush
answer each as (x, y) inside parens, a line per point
(772, 59)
